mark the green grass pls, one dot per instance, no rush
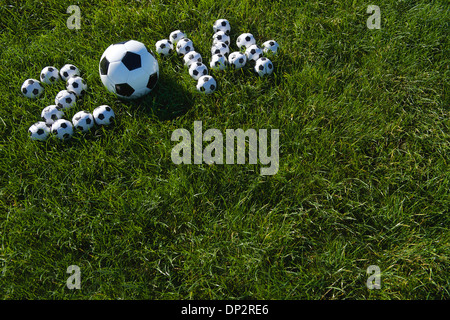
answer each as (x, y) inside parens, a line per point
(364, 174)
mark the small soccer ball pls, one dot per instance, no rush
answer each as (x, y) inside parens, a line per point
(65, 99)
(68, 70)
(270, 46)
(83, 121)
(49, 75)
(176, 36)
(39, 131)
(218, 62)
(62, 129)
(245, 40)
(192, 57)
(51, 113)
(32, 88)
(237, 59)
(206, 84)
(164, 47)
(222, 25)
(184, 46)
(220, 48)
(263, 66)
(77, 85)
(103, 115)
(128, 69)
(221, 36)
(198, 69)
(253, 53)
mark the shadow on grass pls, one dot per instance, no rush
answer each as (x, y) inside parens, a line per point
(168, 101)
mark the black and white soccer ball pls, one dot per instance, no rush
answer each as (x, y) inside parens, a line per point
(32, 88)
(62, 129)
(129, 69)
(263, 66)
(104, 115)
(68, 70)
(206, 84)
(83, 121)
(164, 47)
(49, 75)
(220, 48)
(65, 99)
(270, 46)
(222, 25)
(253, 53)
(184, 46)
(39, 131)
(237, 59)
(51, 113)
(192, 57)
(176, 36)
(245, 40)
(198, 69)
(77, 85)
(221, 36)
(218, 62)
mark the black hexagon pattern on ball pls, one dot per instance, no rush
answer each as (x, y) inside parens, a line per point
(124, 89)
(131, 60)
(104, 65)
(152, 81)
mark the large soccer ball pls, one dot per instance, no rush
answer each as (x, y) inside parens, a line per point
(129, 69)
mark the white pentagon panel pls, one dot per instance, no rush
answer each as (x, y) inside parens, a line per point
(115, 52)
(117, 72)
(135, 46)
(141, 92)
(108, 84)
(148, 60)
(138, 78)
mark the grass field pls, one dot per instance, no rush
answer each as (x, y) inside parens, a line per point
(363, 177)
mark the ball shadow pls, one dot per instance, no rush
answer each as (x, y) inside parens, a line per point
(167, 101)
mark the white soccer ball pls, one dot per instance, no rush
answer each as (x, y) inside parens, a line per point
(237, 59)
(263, 66)
(39, 131)
(83, 121)
(62, 129)
(77, 85)
(198, 69)
(192, 57)
(164, 47)
(49, 75)
(220, 48)
(32, 88)
(271, 46)
(245, 40)
(184, 46)
(253, 53)
(103, 115)
(222, 25)
(221, 36)
(218, 62)
(51, 113)
(68, 70)
(206, 84)
(129, 69)
(65, 99)
(176, 36)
